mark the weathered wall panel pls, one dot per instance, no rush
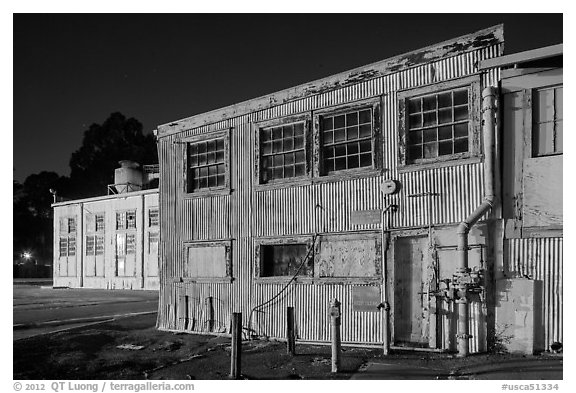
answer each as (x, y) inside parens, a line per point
(540, 259)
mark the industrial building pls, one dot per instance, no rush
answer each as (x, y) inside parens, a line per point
(110, 241)
(409, 189)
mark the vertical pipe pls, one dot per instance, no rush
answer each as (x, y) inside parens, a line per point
(463, 271)
(210, 307)
(335, 316)
(290, 331)
(236, 350)
(386, 334)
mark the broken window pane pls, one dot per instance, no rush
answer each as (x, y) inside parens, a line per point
(285, 260)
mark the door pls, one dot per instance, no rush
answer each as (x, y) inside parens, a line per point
(411, 292)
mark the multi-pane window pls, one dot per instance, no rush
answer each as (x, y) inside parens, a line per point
(282, 151)
(71, 225)
(153, 217)
(94, 245)
(99, 245)
(99, 222)
(437, 125)
(126, 220)
(153, 238)
(90, 245)
(130, 244)
(547, 115)
(206, 165)
(67, 247)
(71, 246)
(63, 247)
(284, 260)
(346, 140)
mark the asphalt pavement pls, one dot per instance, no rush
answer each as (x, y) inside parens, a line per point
(40, 310)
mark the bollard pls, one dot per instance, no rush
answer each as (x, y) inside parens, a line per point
(236, 350)
(335, 320)
(290, 331)
(210, 308)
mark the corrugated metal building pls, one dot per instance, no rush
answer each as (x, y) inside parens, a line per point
(110, 241)
(349, 187)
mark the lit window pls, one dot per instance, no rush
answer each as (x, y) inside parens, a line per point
(284, 260)
(282, 152)
(547, 116)
(437, 125)
(206, 165)
(347, 140)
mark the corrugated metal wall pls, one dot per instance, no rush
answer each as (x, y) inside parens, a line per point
(540, 259)
(323, 207)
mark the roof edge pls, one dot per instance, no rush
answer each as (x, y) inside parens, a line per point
(105, 197)
(521, 57)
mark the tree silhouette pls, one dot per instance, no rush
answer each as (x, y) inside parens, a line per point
(92, 165)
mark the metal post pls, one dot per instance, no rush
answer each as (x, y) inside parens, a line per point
(236, 350)
(335, 320)
(290, 333)
(210, 308)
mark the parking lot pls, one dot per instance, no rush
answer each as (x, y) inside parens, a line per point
(39, 309)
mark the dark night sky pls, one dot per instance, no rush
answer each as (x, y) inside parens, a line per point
(74, 70)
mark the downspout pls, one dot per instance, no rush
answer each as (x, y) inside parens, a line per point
(462, 275)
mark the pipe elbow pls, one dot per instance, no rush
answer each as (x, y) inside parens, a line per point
(463, 228)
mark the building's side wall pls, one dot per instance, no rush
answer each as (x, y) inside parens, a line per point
(532, 206)
(105, 274)
(250, 213)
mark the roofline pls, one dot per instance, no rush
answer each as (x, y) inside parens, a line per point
(106, 197)
(521, 57)
(462, 44)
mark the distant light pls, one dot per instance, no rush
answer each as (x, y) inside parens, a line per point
(27, 255)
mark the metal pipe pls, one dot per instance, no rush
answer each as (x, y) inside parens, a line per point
(335, 314)
(488, 129)
(385, 233)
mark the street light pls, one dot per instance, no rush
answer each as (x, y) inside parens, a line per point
(27, 255)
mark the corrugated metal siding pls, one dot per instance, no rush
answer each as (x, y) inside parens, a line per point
(311, 307)
(318, 207)
(540, 259)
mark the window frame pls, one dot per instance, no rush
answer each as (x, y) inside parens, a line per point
(206, 137)
(125, 226)
(279, 241)
(473, 84)
(227, 244)
(376, 140)
(157, 214)
(305, 118)
(530, 144)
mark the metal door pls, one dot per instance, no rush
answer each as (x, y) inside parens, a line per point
(411, 316)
